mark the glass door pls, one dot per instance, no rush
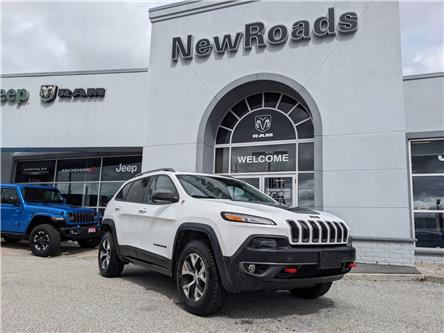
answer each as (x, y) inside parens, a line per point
(280, 189)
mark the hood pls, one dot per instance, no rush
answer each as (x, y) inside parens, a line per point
(272, 212)
(56, 207)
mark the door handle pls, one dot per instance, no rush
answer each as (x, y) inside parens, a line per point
(143, 210)
(117, 208)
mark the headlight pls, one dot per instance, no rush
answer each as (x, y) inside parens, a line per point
(70, 217)
(242, 218)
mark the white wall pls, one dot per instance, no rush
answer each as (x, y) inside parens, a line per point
(119, 120)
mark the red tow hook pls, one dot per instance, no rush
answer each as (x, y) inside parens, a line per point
(290, 270)
(351, 265)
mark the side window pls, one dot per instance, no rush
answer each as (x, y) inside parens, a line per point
(9, 196)
(124, 192)
(138, 190)
(160, 182)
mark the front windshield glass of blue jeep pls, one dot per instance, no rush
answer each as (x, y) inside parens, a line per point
(42, 195)
(208, 187)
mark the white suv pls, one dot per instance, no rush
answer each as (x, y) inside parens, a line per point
(215, 235)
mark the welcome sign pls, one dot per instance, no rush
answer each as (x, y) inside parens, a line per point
(256, 33)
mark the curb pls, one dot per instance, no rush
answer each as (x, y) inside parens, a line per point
(387, 277)
(435, 279)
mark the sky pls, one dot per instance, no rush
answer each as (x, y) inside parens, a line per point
(41, 36)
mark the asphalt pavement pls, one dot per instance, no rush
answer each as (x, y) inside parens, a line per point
(67, 294)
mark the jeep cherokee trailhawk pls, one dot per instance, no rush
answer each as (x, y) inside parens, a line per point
(215, 235)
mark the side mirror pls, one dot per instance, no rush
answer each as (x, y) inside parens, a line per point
(13, 200)
(167, 196)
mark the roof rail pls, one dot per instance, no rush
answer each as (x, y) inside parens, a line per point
(160, 169)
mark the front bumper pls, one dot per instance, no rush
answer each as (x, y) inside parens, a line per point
(274, 268)
(80, 232)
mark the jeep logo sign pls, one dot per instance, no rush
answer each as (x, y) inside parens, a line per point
(256, 33)
(131, 168)
(18, 96)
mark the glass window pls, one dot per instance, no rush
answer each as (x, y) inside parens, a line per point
(48, 195)
(271, 99)
(139, 189)
(124, 192)
(306, 156)
(240, 108)
(107, 190)
(80, 194)
(268, 158)
(78, 170)
(286, 104)
(223, 136)
(305, 130)
(428, 193)
(306, 190)
(252, 181)
(163, 182)
(121, 168)
(229, 121)
(428, 156)
(280, 189)
(222, 157)
(298, 115)
(429, 229)
(35, 171)
(255, 101)
(9, 196)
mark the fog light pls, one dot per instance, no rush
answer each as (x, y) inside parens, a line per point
(251, 268)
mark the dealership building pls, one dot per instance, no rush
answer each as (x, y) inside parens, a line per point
(303, 100)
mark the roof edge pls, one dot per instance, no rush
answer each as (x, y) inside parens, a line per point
(85, 72)
(190, 7)
(422, 76)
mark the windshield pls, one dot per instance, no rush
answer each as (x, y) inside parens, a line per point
(42, 195)
(222, 188)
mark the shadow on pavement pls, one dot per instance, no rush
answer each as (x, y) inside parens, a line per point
(251, 305)
(66, 248)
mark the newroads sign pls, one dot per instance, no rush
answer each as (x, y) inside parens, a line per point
(256, 34)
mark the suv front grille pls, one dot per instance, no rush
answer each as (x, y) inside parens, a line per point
(317, 232)
(84, 217)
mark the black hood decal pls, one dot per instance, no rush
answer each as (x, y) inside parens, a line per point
(301, 210)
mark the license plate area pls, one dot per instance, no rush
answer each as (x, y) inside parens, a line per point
(92, 230)
(329, 260)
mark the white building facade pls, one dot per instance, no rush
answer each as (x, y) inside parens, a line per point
(304, 100)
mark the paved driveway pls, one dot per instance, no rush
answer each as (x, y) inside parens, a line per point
(66, 294)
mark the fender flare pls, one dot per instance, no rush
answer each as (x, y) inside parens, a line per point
(31, 225)
(109, 224)
(215, 246)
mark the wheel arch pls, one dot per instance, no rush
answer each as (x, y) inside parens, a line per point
(38, 219)
(109, 225)
(190, 231)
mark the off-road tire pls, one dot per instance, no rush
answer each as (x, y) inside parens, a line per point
(107, 250)
(89, 243)
(214, 296)
(44, 240)
(312, 292)
(11, 240)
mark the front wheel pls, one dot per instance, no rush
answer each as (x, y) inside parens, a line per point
(109, 262)
(312, 292)
(197, 280)
(89, 243)
(44, 240)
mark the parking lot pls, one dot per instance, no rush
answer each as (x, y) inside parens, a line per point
(66, 294)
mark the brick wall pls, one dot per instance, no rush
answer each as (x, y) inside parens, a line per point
(385, 252)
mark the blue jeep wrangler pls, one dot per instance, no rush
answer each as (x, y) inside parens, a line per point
(40, 214)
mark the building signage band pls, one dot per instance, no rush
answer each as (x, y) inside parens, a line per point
(256, 33)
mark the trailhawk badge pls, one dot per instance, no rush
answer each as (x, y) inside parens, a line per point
(48, 92)
(262, 123)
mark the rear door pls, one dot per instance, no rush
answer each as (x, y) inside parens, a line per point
(12, 211)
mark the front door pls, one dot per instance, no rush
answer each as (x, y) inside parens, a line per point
(281, 188)
(12, 213)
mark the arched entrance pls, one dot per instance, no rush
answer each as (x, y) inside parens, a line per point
(268, 133)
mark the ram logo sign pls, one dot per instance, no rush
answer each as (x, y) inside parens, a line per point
(48, 92)
(262, 123)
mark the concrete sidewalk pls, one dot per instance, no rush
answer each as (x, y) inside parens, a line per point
(375, 272)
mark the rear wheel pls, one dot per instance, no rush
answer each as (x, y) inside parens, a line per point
(44, 240)
(89, 243)
(11, 240)
(109, 263)
(312, 292)
(198, 281)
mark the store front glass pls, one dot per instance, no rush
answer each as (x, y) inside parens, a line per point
(267, 140)
(427, 170)
(89, 182)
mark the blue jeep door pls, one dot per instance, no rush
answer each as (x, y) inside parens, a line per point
(12, 212)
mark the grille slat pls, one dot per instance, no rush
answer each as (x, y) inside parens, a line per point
(307, 232)
(84, 217)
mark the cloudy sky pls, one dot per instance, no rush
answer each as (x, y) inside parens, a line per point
(41, 36)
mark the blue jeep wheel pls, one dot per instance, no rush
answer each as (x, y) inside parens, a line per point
(44, 240)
